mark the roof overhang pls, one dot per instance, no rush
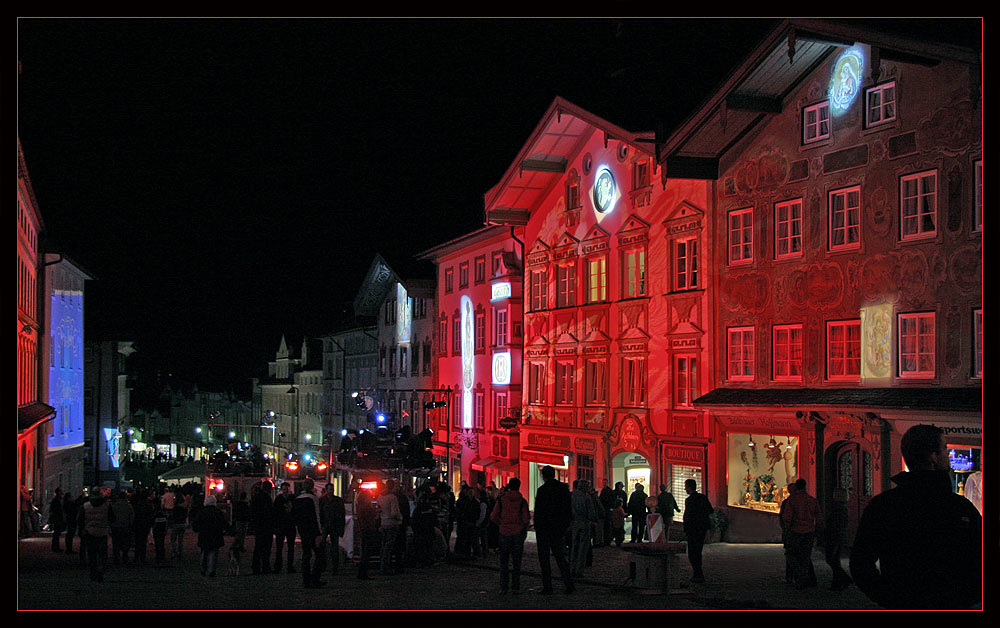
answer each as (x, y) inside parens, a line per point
(31, 415)
(559, 136)
(899, 398)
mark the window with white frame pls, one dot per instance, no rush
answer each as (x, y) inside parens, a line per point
(845, 218)
(539, 289)
(536, 383)
(456, 335)
(634, 271)
(686, 264)
(880, 104)
(918, 205)
(597, 279)
(843, 351)
(596, 382)
(741, 353)
(566, 284)
(978, 209)
(499, 407)
(741, 236)
(633, 381)
(685, 380)
(478, 409)
(463, 275)
(565, 382)
(787, 349)
(500, 327)
(788, 229)
(480, 331)
(480, 269)
(977, 330)
(916, 345)
(816, 123)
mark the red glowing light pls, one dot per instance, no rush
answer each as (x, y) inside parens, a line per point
(369, 486)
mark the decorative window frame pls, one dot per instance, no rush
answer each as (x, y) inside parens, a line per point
(849, 356)
(887, 109)
(740, 354)
(638, 285)
(595, 384)
(812, 131)
(634, 370)
(685, 258)
(792, 226)
(566, 281)
(786, 352)
(536, 383)
(851, 222)
(463, 275)
(449, 280)
(916, 206)
(917, 344)
(480, 269)
(740, 236)
(597, 291)
(685, 379)
(565, 390)
(539, 288)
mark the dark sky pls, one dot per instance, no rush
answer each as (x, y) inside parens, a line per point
(228, 181)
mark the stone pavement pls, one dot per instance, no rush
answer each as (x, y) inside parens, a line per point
(739, 576)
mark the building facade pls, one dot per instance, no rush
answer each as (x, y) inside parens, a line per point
(615, 308)
(62, 381)
(478, 348)
(846, 168)
(107, 409)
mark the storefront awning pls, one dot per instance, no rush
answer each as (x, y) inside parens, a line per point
(496, 464)
(31, 415)
(543, 457)
(931, 399)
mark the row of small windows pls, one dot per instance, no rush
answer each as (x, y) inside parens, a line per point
(496, 269)
(918, 205)
(880, 109)
(503, 330)
(562, 389)
(916, 343)
(399, 360)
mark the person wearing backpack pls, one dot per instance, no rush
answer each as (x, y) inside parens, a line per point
(512, 517)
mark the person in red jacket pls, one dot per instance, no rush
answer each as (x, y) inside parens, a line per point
(512, 517)
(802, 519)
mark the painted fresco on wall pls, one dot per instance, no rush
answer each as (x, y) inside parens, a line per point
(760, 467)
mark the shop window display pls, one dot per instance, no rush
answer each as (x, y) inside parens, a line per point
(760, 468)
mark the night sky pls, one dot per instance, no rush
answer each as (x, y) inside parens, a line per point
(230, 181)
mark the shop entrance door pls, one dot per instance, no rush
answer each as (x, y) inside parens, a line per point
(853, 470)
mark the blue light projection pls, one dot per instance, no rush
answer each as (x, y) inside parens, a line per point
(845, 83)
(66, 370)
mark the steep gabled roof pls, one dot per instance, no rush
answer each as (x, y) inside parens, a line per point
(561, 133)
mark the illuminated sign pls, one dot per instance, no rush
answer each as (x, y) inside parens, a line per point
(500, 290)
(404, 316)
(468, 359)
(605, 191)
(501, 368)
(846, 80)
(113, 436)
(876, 342)
(66, 369)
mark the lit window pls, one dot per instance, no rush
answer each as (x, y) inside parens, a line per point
(918, 205)
(741, 354)
(788, 229)
(634, 267)
(881, 104)
(977, 324)
(816, 123)
(686, 264)
(741, 236)
(845, 219)
(843, 350)
(788, 353)
(539, 289)
(566, 285)
(596, 382)
(597, 280)
(916, 345)
(685, 380)
(633, 381)
(565, 389)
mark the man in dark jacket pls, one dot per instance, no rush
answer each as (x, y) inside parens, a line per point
(553, 513)
(305, 513)
(57, 519)
(697, 510)
(926, 539)
(638, 509)
(284, 527)
(262, 520)
(333, 523)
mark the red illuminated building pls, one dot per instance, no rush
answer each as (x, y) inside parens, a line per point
(478, 354)
(846, 223)
(616, 312)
